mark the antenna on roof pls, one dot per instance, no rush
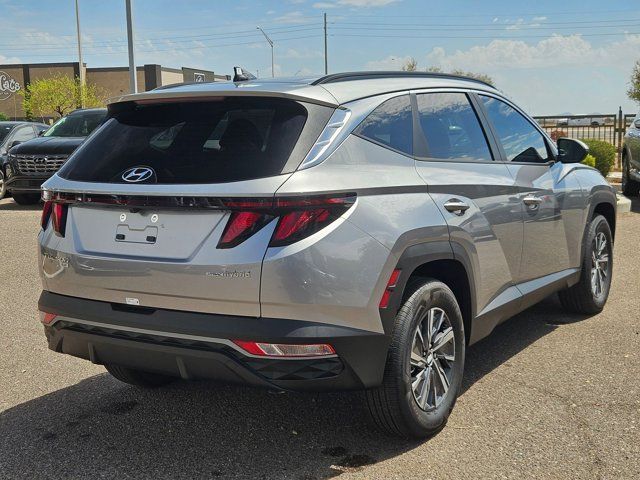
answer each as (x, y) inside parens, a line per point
(242, 75)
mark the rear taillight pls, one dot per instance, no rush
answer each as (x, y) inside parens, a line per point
(47, 318)
(242, 225)
(46, 214)
(298, 217)
(58, 214)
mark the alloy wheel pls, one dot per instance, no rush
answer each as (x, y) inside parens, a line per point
(599, 265)
(432, 357)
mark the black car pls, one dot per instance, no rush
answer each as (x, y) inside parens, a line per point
(14, 133)
(631, 159)
(29, 164)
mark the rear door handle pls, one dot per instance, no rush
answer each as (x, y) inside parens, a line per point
(532, 201)
(456, 206)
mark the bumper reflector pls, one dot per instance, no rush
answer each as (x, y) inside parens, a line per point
(285, 349)
(391, 284)
(47, 318)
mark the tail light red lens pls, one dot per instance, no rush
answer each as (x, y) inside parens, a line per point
(57, 212)
(242, 225)
(298, 217)
(46, 214)
(59, 218)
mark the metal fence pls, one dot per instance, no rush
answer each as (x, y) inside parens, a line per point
(607, 127)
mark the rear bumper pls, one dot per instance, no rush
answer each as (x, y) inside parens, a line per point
(195, 345)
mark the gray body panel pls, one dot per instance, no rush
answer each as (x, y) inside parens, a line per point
(513, 255)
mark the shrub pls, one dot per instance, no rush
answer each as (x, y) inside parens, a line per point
(3, 117)
(589, 160)
(604, 154)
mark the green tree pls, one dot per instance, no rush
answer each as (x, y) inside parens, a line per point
(479, 76)
(633, 92)
(59, 95)
(3, 117)
(411, 65)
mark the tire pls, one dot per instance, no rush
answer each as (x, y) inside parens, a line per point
(394, 406)
(630, 187)
(3, 186)
(138, 377)
(584, 297)
(26, 198)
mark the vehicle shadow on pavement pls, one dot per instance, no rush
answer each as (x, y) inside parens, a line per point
(8, 204)
(100, 427)
(635, 204)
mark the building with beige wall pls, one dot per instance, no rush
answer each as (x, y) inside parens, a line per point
(113, 81)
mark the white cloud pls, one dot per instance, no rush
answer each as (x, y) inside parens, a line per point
(291, 17)
(555, 51)
(539, 19)
(516, 26)
(301, 53)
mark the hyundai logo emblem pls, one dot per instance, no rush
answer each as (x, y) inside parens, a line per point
(138, 174)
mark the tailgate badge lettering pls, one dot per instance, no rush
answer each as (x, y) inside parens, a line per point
(230, 274)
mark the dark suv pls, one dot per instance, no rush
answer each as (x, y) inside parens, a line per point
(29, 164)
(12, 134)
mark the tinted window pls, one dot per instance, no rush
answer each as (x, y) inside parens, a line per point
(4, 131)
(520, 140)
(390, 124)
(451, 127)
(76, 125)
(23, 134)
(192, 142)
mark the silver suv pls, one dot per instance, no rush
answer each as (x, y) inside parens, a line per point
(354, 231)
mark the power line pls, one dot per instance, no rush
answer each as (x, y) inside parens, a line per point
(493, 37)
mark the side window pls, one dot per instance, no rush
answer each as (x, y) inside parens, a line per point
(390, 125)
(520, 140)
(451, 127)
(23, 134)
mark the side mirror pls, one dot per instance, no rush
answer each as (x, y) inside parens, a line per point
(14, 143)
(41, 132)
(571, 150)
(637, 123)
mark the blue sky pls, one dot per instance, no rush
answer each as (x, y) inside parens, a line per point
(549, 56)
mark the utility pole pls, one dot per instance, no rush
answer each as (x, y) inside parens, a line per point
(133, 81)
(273, 73)
(326, 62)
(81, 65)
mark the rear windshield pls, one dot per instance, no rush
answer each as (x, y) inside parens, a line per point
(226, 140)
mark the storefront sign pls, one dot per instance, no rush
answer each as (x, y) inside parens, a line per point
(8, 86)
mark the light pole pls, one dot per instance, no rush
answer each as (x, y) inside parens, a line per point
(273, 73)
(81, 69)
(133, 81)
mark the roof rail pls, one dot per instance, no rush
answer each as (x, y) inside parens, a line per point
(346, 76)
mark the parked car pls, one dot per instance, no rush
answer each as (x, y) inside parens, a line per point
(631, 159)
(11, 134)
(581, 122)
(353, 231)
(29, 164)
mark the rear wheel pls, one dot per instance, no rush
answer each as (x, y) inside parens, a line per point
(424, 367)
(590, 294)
(630, 187)
(26, 198)
(3, 187)
(138, 378)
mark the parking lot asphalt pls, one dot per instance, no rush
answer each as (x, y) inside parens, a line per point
(547, 395)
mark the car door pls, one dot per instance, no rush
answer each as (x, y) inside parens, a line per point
(475, 194)
(552, 217)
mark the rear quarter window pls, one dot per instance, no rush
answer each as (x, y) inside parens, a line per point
(231, 139)
(390, 125)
